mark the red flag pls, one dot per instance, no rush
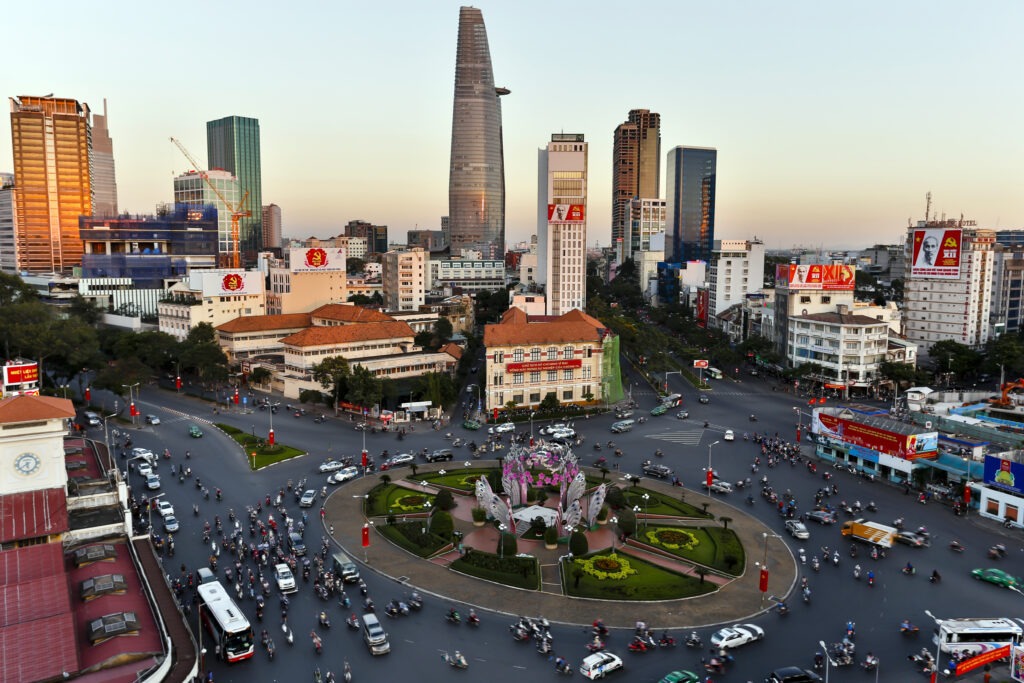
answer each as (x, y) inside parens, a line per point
(177, 383)
(763, 585)
(495, 414)
(709, 478)
(821, 400)
(364, 459)
(132, 410)
(798, 436)
(366, 535)
(812, 402)
(270, 437)
(88, 394)
(967, 495)
(236, 397)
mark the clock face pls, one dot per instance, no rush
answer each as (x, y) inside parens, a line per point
(27, 464)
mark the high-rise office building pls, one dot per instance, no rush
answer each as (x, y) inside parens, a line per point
(272, 226)
(233, 144)
(645, 218)
(562, 223)
(191, 190)
(376, 236)
(8, 246)
(104, 180)
(476, 183)
(51, 141)
(404, 276)
(636, 167)
(690, 204)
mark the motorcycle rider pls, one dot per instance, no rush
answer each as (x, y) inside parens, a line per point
(909, 569)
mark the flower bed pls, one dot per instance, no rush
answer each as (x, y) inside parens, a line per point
(391, 499)
(713, 547)
(672, 539)
(460, 480)
(411, 537)
(602, 567)
(611, 576)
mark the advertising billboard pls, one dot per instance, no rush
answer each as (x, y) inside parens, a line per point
(703, 299)
(936, 253)
(873, 438)
(317, 260)
(816, 276)
(232, 282)
(541, 365)
(21, 373)
(566, 213)
(1004, 474)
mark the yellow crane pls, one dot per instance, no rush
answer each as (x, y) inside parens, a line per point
(236, 210)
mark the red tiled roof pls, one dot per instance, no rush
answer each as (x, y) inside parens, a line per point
(33, 513)
(324, 335)
(515, 329)
(32, 408)
(350, 313)
(259, 323)
(453, 350)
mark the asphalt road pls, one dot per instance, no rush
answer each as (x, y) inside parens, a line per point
(419, 640)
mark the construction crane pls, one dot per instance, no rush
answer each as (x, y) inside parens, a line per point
(236, 210)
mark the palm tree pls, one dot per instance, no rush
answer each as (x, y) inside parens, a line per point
(701, 572)
(604, 473)
(725, 521)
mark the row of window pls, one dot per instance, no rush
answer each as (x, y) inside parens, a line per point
(536, 397)
(552, 376)
(519, 355)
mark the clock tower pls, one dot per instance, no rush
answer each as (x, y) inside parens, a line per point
(32, 430)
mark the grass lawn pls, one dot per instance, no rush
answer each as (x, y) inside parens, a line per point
(711, 546)
(461, 479)
(660, 503)
(519, 572)
(411, 537)
(646, 582)
(265, 453)
(391, 499)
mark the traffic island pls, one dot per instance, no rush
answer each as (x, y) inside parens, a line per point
(258, 452)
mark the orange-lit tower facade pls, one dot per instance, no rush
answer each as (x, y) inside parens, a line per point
(51, 141)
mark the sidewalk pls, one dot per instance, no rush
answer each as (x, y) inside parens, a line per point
(739, 599)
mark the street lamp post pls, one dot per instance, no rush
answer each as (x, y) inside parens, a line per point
(710, 476)
(149, 511)
(532, 413)
(938, 647)
(131, 401)
(476, 393)
(501, 541)
(646, 497)
(828, 659)
(614, 520)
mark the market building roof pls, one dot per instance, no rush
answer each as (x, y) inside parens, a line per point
(268, 323)
(323, 335)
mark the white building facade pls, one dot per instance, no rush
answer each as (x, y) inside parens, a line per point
(645, 218)
(562, 222)
(470, 276)
(211, 296)
(404, 279)
(736, 269)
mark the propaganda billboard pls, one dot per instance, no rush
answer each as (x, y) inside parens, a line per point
(317, 260)
(543, 365)
(232, 282)
(908, 446)
(21, 373)
(566, 213)
(703, 301)
(936, 253)
(1004, 474)
(821, 276)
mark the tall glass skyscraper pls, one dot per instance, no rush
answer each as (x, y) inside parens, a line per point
(636, 165)
(233, 144)
(104, 178)
(690, 204)
(476, 183)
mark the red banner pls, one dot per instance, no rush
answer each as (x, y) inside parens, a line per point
(703, 299)
(566, 213)
(88, 394)
(366, 535)
(177, 383)
(270, 437)
(19, 374)
(981, 660)
(875, 438)
(763, 583)
(542, 365)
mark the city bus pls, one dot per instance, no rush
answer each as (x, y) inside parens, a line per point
(713, 373)
(672, 400)
(232, 634)
(975, 635)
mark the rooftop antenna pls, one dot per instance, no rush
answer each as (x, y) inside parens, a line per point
(927, 205)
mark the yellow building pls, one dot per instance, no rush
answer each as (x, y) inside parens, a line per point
(309, 277)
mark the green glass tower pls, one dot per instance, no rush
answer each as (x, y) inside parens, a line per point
(233, 144)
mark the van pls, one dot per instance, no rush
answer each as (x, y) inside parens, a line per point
(374, 635)
(206, 576)
(92, 419)
(345, 568)
(622, 426)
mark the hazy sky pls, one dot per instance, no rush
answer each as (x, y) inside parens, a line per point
(831, 119)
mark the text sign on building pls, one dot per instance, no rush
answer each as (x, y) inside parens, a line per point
(20, 374)
(566, 213)
(317, 260)
(875, 438)
(1004, 474)
(936, 253)
(816, 276)
(542, 365)
(231, 283)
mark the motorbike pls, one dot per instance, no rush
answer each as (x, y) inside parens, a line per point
(473, 619)
(601, 462)
(596, 645)
(457, 660)
(666, 641)
(639, 645)
(317, 676)
(909, 629)
(872, 507)
(353, 622)
(815, 565)
(835, 558)
(453, 617)
(318, 644)
(851, 630)
(563, 667)
(415, 601)
(956, 546)
(693, 640)
(325, 620)
(909, 571)
(391, 609)
(997, 551)
(856, 572)
(544, 646)
(346, 673)
(782, 609)
(870, 663)
(519, 633)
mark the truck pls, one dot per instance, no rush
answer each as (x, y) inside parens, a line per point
(870, 532)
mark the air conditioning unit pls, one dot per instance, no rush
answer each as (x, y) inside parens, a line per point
(928, 425)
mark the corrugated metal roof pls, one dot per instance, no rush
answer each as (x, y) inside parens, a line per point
(33, 513)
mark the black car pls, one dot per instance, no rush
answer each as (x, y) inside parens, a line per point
(656, 470)
(793, 674)
(298, 546)
(440, 455)
(704, 399)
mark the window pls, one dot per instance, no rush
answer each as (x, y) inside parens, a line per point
(552, 376)
(501, 398)
(567, 395)
(587, 352)
(535, 398)
(552, 353)
(567, 353)
(498, 380)
(535, 353)
(566, 375)
(586, 372)
(517, 355)
(517, 378)
(535, 376)
(517, 399)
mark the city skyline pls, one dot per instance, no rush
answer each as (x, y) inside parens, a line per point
(830, 125)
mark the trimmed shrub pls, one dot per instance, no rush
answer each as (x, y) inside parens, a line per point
(551, 535)
(441, 524)
(479, 514)
(615, 498)
(578, 544)
(602, 514)
(444, 500)
(627, 521)
(510, 543)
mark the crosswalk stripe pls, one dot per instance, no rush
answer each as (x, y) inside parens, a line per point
(691, 437)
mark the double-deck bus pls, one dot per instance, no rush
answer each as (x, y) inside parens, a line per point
(975, 635)
(232, 634)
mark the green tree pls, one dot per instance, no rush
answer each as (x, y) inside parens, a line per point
(627, 522)
(550, 402)
(444, 500)
(363, 388)
(441, 524)
(355, 266)
(443, 331)
(359, 299)
(1007, 351)
(578, 544)
(725, 521)
(259, 375)
(201, 354)
(332, 373)
(511, 545)
(436, 387)
(424, 339)
(14, 290)
(123, 371)
(85, 310)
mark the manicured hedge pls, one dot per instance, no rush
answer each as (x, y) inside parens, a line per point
(520, 572)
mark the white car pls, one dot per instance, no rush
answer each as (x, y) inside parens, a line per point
(502, 428)
(728, 436)
(797, 529)
(734, 636)
(343, 475)
(401, 459)
(554, 428)
(144, 454)
(144, 469)
(152, 420)
(285, 579)
(330, 466)
(721, 487)
(152, 482)
(600, 664)
(164, 508)
(563, 434)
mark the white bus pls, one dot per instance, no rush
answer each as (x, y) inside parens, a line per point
(672, 400)
(975, 635)
(713, 373)
(226, 623)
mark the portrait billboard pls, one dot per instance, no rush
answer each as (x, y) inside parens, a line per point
(566, 213)
(1004, 474)
(874, 438)
(317, 260)
(936, 253)
(830, 277)
(232, 282)
(703, 300)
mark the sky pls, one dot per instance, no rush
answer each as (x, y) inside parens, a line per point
(832, 120)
